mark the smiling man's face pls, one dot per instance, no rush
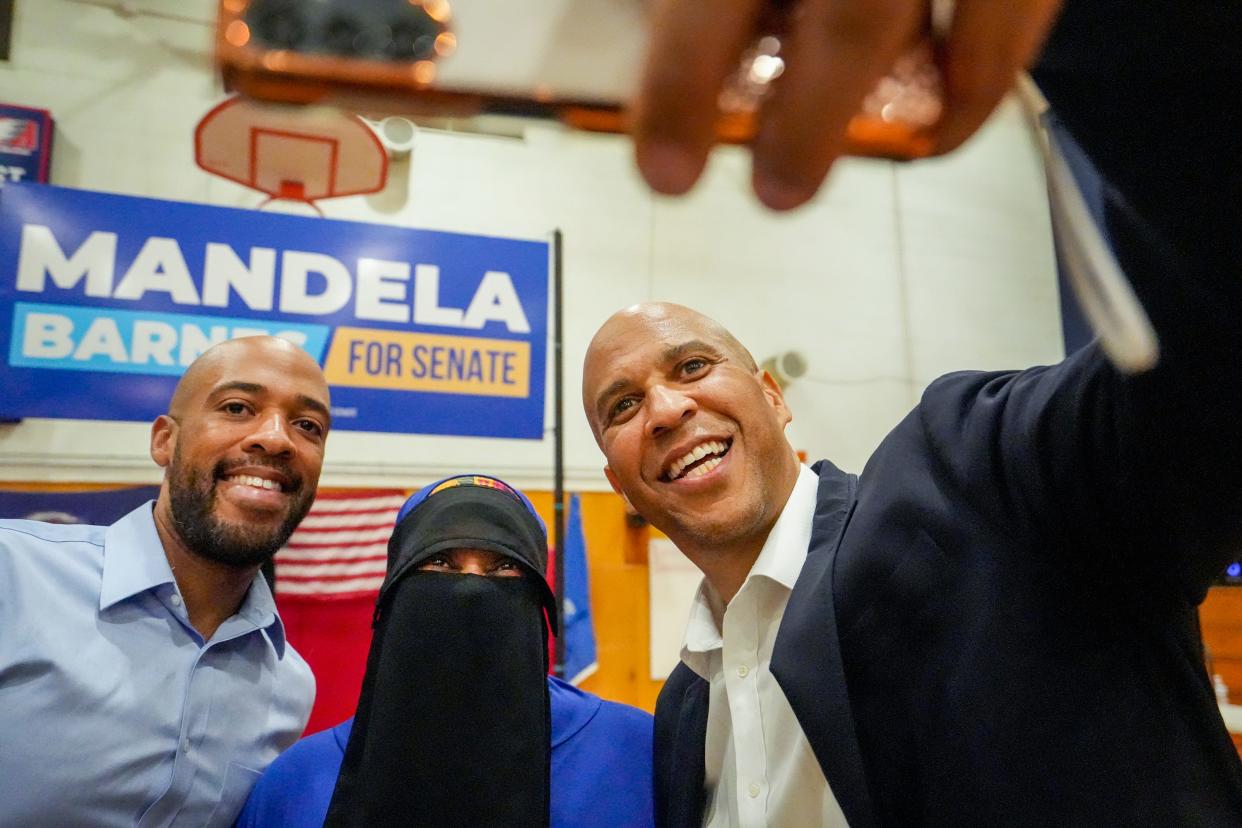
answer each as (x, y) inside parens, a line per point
(692, 430)
(243, 446)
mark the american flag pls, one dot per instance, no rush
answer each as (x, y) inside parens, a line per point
(340, 550)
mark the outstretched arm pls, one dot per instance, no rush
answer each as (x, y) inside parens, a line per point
(1144, 472)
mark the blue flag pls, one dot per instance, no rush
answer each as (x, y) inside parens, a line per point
(578, 637)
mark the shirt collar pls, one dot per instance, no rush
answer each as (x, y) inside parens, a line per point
(780, 560)
(259, 608)
(703, 636)
(572, 709)
(133, 558)
(134, 562)
(784, 552)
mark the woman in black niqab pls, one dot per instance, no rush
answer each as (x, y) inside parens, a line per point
(453, 725)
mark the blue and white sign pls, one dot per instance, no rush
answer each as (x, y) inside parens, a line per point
(105, 299)
(25, 144)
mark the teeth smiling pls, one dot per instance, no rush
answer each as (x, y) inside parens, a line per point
(257, 482)
(699, 471)
(698, 453)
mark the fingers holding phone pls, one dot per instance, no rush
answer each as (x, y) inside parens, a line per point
(692, 50)
(987, 45)
(837, 51)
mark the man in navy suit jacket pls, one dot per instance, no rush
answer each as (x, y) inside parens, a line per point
(996, 623)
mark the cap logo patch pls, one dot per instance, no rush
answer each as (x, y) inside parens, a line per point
(476, 480)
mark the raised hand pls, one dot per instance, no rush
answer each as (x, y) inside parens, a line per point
(835, 52)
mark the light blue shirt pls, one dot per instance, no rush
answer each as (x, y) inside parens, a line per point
(113, 710)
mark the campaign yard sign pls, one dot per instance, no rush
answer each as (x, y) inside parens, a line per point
(105, 299)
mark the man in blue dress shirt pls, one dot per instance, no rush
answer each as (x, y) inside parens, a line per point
(144, 674)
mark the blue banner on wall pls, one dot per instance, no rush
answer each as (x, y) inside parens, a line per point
(105, 299)
(99, 508)
(25, 144)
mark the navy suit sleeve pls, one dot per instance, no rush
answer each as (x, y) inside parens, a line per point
(1144, 473)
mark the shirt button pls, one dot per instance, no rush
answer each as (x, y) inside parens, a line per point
(185, 745)
(175, 600)
(753, 790)
(743, 670)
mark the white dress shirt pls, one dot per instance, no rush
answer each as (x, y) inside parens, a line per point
(760, 770)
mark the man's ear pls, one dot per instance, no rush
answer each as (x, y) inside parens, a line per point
(612, 481)
(776, 398)
(630, 511)
(163, 440)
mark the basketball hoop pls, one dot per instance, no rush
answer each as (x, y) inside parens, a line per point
(290, 152)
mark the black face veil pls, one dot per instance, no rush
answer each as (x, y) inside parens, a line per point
(453, 725)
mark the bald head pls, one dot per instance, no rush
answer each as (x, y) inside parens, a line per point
(242, 448)
(663, 316)
(225, 359)
(678, 325)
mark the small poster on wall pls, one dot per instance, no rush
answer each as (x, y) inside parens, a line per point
(673, 582)
(25, 144)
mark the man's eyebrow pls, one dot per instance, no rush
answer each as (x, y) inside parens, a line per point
(303, 400)
(670, 355)
(315, 405)
(674, 353)
(237, 385)
(601, 402)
